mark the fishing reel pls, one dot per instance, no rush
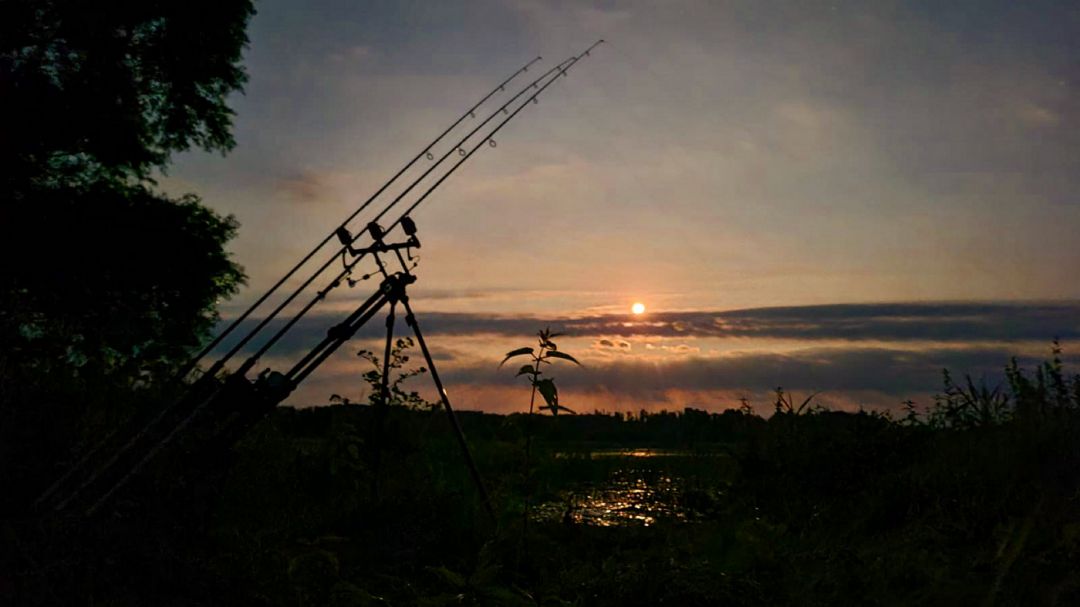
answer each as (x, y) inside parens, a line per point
(379, 245)
(377, 233)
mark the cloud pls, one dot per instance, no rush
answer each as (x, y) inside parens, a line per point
(845, 378)
(892, 371)
(859, 353)
(304, 186)
(1038, 116)
(618, 344)
(357, 53)
(941, 322)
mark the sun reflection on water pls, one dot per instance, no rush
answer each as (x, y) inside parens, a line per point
(627, 498)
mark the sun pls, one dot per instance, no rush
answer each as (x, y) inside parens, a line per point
(638, 308)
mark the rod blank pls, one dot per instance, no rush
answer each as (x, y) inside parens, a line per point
(426, 152)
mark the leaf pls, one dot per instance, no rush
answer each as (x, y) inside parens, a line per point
(513, 353)
(564, 356)
(450, 577)
(526, 370)
(505, 596)
(547, 389)
(806, 402)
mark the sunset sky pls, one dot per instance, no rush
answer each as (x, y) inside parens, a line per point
(829, 196)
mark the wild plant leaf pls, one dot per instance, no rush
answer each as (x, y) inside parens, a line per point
(564, 356)
(513, 353)
(501, 595)
(526, 370)
(450, 577)
(547, 389)
(806, 402)
(550, 345)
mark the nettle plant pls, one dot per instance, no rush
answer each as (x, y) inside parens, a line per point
(534, 371)
(541, 356)
(398, 375)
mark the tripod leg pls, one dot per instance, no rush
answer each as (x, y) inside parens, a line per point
(410, 318)
(381, 405)
(385, 388)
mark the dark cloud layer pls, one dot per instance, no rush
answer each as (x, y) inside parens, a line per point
(891, 371)
(889, 322)
(942, 322)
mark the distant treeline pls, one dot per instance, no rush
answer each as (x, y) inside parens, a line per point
(687, 428)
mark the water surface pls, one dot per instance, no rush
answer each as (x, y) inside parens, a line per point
(633, 487)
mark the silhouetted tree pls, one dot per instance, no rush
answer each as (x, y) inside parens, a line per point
(98, 268)
(105, 283)
(110, 89)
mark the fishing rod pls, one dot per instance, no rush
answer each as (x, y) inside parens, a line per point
(185, 408)
(201, 402)
(345, 246)
(193, 362)
(489, 139)
(562, 71)
(426, 152)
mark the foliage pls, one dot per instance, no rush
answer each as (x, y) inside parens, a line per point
(819, 508)
(1051, 389)
(92, 98)
(968, 405)
(785, 404)
(542, 355)
(107, 298)
(106, 284)
(1049, 392)
(106, 91)
(373, 378)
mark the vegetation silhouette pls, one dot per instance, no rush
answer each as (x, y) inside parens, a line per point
(107, 283)
(972, 500)
(223, 407)
(545, 353)
(398, 397)
(804, 508)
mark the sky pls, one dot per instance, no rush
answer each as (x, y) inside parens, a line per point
(834, 197)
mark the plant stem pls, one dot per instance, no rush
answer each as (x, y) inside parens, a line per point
(528, 450)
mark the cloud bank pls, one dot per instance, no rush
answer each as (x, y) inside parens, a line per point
(881, 352)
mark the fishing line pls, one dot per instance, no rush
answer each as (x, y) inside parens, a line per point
(561, 68)
(322, 294)
(193, 363)
(189, 410)
(424, 153)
